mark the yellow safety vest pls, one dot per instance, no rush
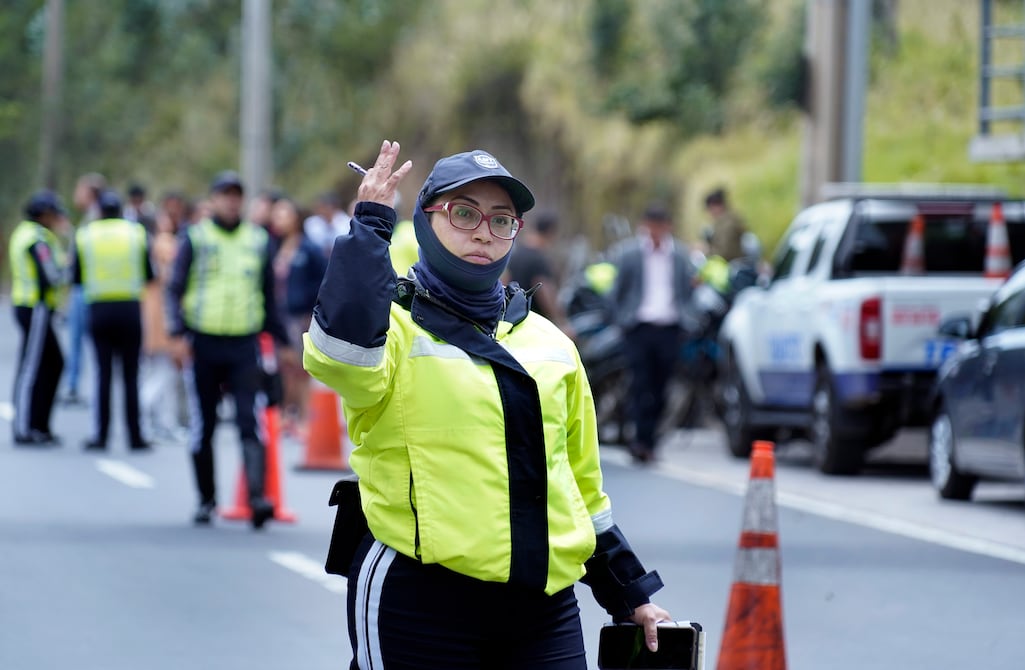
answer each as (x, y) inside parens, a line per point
(428, 427)
(112, 260)
(224, 290)
(24, 274)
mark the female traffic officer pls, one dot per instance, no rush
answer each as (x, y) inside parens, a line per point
(475, 439)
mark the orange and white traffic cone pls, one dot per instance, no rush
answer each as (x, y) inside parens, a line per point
(998, 250)
(753, 636)
(272, 486)
(913, 260)
(326, 433)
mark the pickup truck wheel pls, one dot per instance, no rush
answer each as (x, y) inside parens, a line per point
(948, 481)
(832, 454)
(736, 416)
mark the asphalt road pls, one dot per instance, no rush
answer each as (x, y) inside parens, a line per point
(100, 566)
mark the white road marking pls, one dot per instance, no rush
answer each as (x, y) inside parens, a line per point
(837, 512)
(309, 568)
(125, 474)
(6, 411)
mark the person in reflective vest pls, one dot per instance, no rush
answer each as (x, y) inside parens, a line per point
(111, 262)
(36, 282)
(476, 443)
(219, 299)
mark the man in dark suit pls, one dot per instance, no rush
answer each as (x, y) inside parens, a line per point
(651, 297)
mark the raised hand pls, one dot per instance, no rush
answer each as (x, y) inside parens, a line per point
(379, 183)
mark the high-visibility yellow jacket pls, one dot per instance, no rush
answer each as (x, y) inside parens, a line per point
(224, 294)
(444, 440)
(428, 426)
(112, 260)
(36, 265)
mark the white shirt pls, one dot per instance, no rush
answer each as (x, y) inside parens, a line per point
(657, 304)
(322, 233)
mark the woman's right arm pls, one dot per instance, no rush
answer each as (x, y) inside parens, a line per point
(345, 346)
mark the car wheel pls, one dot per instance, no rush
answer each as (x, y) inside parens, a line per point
(832, 454)
(949, 482)
(736, 415)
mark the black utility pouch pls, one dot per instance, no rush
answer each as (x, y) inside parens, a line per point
(350, 526)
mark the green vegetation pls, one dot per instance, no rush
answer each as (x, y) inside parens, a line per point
(605, 104)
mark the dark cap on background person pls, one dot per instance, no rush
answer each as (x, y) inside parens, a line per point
(454, 171)
(225, 181)
(43, 202)
(657, 212)
(109, 204)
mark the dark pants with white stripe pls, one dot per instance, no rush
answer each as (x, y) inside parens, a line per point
(231, 363)
(653, 352)
(116, 332)
(405, 614)
(40, 364)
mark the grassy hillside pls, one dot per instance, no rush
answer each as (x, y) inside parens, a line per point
(920, 117)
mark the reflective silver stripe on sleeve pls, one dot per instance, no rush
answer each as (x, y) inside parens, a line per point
(344, 352)
(602, 521)
(424, 346)
(542, 355)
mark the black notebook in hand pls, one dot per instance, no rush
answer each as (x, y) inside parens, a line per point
(681, 646)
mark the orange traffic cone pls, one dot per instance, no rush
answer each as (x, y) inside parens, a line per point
(753, 638)
(325, 449)
(998, 251)
(272, 487)
(913, 260)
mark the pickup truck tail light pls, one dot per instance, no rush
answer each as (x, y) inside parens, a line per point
(870, 329)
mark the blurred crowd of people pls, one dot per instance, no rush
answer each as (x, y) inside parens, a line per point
(647, 289)
(151, 287)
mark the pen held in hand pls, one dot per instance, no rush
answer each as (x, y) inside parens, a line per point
(356, 168)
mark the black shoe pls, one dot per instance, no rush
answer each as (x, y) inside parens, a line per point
(204, 514)
(95, 445)
(263, 511)
(37, 438)
(641, 454)
(140, 445)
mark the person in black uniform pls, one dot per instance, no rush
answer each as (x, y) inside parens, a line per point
(219, 299)
(36, 278)
(111, 261)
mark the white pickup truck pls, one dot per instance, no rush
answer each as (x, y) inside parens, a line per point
(841, 344)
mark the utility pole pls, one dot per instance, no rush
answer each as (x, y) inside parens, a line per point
(836, 51)
(256, 159)
(53, 69)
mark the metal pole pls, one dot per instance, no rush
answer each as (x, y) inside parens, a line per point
(53, 67)
(985, 55)
(256, 95)
(855, 75)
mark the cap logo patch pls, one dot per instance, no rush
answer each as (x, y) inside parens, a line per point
(485, 161)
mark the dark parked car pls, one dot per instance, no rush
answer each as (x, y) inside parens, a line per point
(978, 428)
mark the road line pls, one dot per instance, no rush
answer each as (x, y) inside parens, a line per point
(125, 474)
(6, 411)
(837, 512)
(310, 569)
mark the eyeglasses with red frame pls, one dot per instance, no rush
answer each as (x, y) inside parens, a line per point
(468, 217)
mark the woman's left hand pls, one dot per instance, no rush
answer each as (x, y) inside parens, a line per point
(649, 616)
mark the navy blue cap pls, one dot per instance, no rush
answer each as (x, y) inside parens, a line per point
(43, 202)
(454, 171)
(226, 181)
(109, 204)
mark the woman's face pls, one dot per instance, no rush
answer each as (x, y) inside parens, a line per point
(479, 245)
(284, 218)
